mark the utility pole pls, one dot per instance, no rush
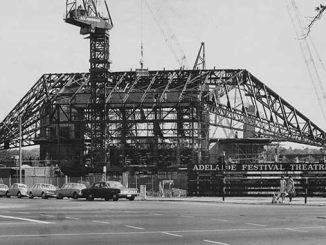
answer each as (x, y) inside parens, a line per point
(20, 148)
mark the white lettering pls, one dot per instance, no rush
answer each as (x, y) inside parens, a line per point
(195, 168)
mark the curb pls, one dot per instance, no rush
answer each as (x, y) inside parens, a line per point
(236, 202)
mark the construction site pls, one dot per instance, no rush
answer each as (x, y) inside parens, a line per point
(146, 121)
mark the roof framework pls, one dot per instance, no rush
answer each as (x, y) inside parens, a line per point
(163, 109)
(225, 93)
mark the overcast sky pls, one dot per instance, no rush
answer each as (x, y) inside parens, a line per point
(256, 35)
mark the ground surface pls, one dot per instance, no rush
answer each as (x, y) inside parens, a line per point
(38, 221)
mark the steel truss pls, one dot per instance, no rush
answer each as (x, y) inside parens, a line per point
(166, 118)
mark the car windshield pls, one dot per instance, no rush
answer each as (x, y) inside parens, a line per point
(22, 186)
(50, 187)
(77, 185)
(115, 184)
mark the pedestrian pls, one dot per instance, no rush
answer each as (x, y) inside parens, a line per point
(282, 189)
(290, 188)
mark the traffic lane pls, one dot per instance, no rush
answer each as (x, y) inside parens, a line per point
(122, 221)
(203, 216)
(312, 235)
(163, 217)
(79, 229)
(163, 209)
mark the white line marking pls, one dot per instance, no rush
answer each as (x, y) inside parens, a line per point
(157, 214)
(255, 224)
(186, 216)
(134, 227)
(101, 222)
(222, 220)
(25, 219)
(72, 218)
(221, 243)
(297, 230)
(171, 234)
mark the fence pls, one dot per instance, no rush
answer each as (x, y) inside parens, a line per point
(211, 180)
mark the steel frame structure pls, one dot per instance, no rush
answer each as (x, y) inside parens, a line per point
(166, 118)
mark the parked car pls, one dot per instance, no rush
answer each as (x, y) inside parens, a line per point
(3, 190)
(101, 189)
(17, 189)
(128, 193)
(73, 190)
(42, 190)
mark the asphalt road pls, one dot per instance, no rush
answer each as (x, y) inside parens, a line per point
(38, 221)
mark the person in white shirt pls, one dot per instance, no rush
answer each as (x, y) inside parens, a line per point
(282, 189)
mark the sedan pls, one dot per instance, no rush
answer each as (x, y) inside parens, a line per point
(128, 193)
(3, 190)
(17, 189)
(42, 190)
(101, 189)
(73, 190)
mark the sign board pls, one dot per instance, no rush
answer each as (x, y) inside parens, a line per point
(255, 178)
(261, 167)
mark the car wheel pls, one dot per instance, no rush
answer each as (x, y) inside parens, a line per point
(115, 197)
(19, 195)
(60, 196)
(31, 195)
(7, 194)
(90, 197)
(43, 195)
(131, 198)
(75, 195)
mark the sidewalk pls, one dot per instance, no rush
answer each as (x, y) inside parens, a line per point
(311, 201)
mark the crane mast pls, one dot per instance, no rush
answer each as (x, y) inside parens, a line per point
(86, 15)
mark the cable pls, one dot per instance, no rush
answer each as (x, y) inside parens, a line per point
(307, 55)
(169, 37)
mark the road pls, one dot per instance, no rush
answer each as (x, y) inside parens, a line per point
(38, 221)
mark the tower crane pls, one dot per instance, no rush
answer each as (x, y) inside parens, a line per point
(92, 22)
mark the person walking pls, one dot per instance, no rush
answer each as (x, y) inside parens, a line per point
(282, 189)
(290, 188)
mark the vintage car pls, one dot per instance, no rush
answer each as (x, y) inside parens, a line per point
(101, 189)
(128, 193)
(17, 189)
(42, 190)
(73, 190)
(3, 190)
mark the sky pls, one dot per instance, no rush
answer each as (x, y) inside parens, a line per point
(256, 35)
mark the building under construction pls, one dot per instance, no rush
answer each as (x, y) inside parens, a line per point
(146, 120)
